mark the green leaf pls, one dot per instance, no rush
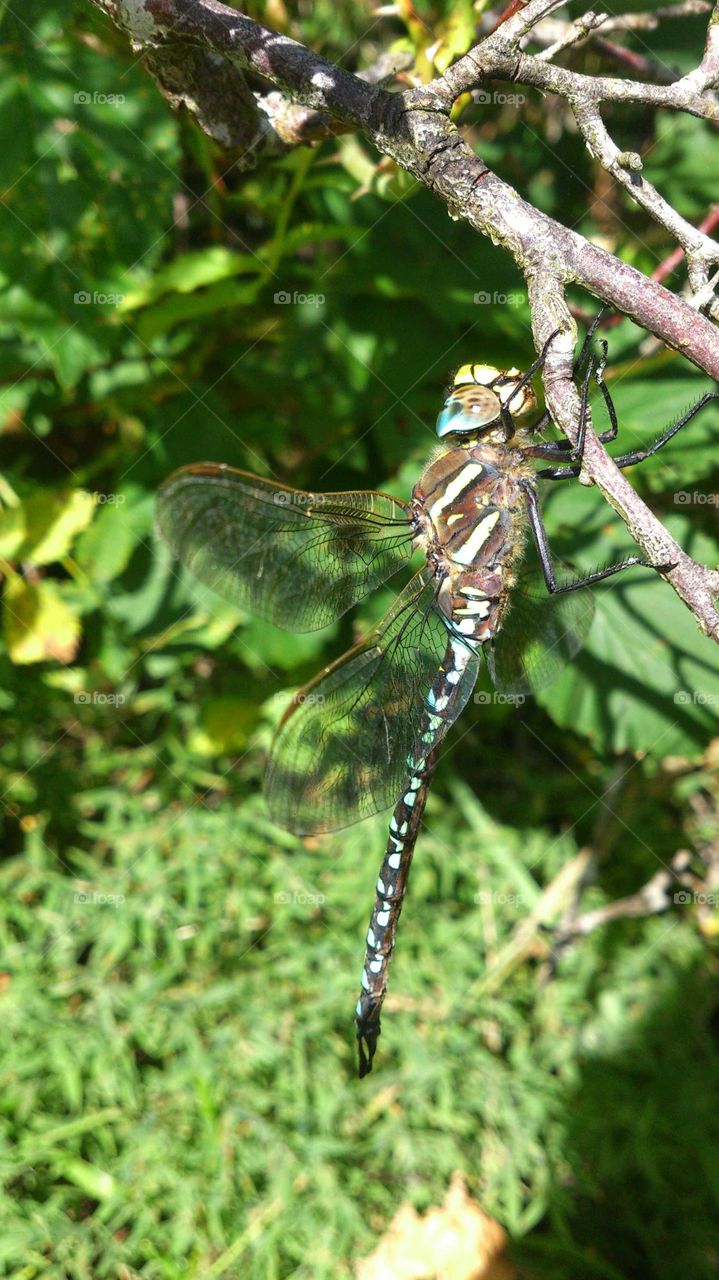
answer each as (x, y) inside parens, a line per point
(191, 271)
(225, 725)
(647, 680)
(94, 1182)
(105, 548)
(177, 308)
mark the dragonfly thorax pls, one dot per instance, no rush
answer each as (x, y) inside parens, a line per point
(469, 517)
(479, 394)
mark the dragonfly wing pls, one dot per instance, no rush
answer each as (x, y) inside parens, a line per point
(300, 560)
(340, 753)
(539, 636)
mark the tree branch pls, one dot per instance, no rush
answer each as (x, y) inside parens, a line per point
(414, 128)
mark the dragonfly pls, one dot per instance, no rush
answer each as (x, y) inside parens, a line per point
(366, 733)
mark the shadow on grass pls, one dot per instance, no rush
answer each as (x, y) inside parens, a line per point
(638, 1191)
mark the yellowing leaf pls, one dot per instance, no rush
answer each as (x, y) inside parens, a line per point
(38, 624)
(42, 528)
(12, 532)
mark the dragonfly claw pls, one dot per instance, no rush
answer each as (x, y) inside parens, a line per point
(367, 1037)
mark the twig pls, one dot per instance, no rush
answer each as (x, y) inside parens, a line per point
(413, 128)
(651, 899)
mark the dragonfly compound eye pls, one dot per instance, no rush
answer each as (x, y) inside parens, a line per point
(470, 407)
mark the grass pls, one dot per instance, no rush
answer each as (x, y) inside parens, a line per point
(179, 1097)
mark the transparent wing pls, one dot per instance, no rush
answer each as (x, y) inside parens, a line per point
(298, 559)
(539, 636)
(340, 753)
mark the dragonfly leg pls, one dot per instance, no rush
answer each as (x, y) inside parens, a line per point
(586, 345)
(545, 554)
(640, 455)
(556, 448)
(505, 412)
(564, 450)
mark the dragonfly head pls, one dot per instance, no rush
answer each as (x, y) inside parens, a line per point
(474, 404)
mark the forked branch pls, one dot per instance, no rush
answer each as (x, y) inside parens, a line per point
(311, 97)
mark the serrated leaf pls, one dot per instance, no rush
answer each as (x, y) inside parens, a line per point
(39, 626)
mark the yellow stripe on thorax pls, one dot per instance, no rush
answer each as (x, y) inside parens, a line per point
(467, 551)
(467, 475)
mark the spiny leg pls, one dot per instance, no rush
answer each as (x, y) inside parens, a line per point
(505, 412)
(637, 455)
(545, 554)
(562, 446)
(640, 455)
(558, 448)
(588, 339)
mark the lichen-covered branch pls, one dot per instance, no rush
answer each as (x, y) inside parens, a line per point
(414, 128)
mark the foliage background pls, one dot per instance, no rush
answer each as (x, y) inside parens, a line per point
(178, 1096)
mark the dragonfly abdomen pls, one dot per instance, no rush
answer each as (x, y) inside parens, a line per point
(439, 714)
